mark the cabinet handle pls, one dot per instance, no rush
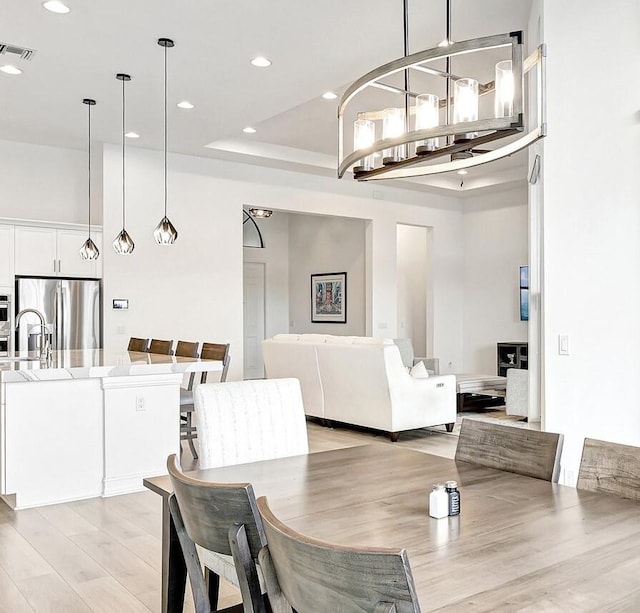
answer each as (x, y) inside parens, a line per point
(59, 265)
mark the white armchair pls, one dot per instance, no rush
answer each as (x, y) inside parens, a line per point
(517, 399)
(410, 360)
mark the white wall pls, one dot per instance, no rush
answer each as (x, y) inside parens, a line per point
(320, 244)
(275, 256)
(193, 290)
(495, 246)
(413, 274)
(48, 184)
(591, 223)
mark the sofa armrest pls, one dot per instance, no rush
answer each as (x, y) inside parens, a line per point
(432, 364)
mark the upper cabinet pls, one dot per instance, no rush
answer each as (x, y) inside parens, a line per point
(51, 252)
(6, 256)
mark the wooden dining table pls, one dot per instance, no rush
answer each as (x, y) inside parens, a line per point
(519, 544)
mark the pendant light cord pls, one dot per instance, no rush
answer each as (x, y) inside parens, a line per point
(407, 116)
(165, 131)
(89, 156)
(448, 67)
(123, 158)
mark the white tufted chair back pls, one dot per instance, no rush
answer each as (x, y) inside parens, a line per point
(248, 421)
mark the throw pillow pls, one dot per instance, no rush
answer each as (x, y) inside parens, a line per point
(419, 371)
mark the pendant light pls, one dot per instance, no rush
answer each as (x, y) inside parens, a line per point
(165, 232)
(89, 251)
(122, 244)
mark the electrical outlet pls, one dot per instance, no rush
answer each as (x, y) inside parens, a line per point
(140, 403)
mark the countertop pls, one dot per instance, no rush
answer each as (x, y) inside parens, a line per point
(96, 363)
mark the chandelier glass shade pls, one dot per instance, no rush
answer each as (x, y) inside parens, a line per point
(89, 250)
(431, 132)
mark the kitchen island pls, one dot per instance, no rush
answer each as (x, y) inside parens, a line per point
(87, 423)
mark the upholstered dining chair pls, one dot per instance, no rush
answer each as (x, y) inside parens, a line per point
(511, 448)
(188, 430)
(247, 421)
(311, 575)
(138, 344)
(221, 518)
(187, 349)
(610, 468)
(161, 347)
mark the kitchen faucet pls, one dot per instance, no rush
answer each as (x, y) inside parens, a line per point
(44, 344)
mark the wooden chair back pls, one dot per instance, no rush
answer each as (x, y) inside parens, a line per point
(137, 344)
(161, 347)
(610, 468)
(186, 349)
(313, 575)
(518, 450)
(216, 351)
(222, 518)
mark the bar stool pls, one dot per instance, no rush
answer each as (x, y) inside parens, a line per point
(161, 347)
(138, 344)
(210, 351)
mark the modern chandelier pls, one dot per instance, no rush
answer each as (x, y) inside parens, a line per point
(89, 250)
(442, 125)
(165, 232)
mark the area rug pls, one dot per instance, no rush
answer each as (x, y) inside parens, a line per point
(496, 416)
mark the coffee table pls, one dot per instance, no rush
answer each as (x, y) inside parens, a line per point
(480, 385)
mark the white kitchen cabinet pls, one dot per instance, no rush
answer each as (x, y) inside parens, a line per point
(6, 256)
(53, 252)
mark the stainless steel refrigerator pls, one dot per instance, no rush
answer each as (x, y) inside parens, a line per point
(71, 309)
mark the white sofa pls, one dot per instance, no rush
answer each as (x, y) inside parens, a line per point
(361, 381)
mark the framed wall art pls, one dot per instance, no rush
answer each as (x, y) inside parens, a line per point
(329, 298)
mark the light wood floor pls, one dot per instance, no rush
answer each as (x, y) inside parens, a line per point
(103, 554)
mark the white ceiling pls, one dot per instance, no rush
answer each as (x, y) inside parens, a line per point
(315, 46)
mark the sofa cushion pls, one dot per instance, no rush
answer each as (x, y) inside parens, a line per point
(313, 338)
(419, 371)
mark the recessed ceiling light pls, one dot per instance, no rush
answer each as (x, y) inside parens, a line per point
(10, 69)
(462, 172)
(132, 135)
(185, 104)
(249, 130)
(329, 96)
(261, 62)
(55, 6)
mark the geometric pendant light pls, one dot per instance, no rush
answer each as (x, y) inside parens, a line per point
(122, 244)
(89, 251)
(165, 232)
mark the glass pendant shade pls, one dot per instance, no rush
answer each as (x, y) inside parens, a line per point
(165, 232)
(122, 244)
(504, 89)
(364, 135)
(465, 104)
(392, 127)
(89, 251)
(427, 116)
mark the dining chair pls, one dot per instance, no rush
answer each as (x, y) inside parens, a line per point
(314, 576)
(221, 518)
(187, 349)
(161, 347)
(514, 449)
(248, 421)
(188, 430)
(137, 344)
(610, 468)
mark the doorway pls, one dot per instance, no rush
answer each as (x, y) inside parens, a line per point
(254, 319)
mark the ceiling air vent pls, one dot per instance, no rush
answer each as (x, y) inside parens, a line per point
(16, 52)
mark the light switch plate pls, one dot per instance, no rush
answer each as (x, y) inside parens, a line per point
(563, 344)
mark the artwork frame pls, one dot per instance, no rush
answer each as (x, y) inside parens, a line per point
(524, 293)
(329, 298)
